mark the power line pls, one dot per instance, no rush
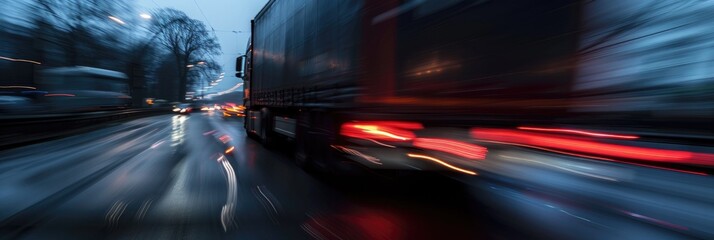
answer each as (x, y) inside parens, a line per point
(233, 31)
(157, 5)
(204, 16)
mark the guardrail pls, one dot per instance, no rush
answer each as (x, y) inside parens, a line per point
(19, 130)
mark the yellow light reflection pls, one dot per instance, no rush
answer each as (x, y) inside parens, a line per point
(20, 60)
(458, 169)
(229, 150)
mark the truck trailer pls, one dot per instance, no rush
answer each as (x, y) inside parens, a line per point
(437, 85)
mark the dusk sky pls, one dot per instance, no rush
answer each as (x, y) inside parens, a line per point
(224, 16)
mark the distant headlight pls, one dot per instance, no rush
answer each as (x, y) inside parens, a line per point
(176, 109)
(183, 110)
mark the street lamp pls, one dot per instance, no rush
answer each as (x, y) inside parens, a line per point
(117, 20)
(197, 63)
(138, 55)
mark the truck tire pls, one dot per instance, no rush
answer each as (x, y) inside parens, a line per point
(266, 128)
(248, 125)
(302, 156)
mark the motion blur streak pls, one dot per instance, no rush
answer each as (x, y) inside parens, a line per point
(114, 213)
(386, 130)
(358, 154)
(397, 124)
(560, 167)
(224, 138)
(375, 132)
(178, 130)
(604, 149)
(316, 232)
(229, 150)
(59, 95)
(382, 144)
(227, 212)
(25, 87)
(597, 158)
(656, 221)
(467, 150)
(580, 132)
(20, 60)
(267, 199)
(157, 144)
(117, 20)
(442, 163)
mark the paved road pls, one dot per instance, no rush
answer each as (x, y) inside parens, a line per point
(199, 177)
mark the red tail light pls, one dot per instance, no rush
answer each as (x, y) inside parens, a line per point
(381, 130)
(580, 132)
(592, 147)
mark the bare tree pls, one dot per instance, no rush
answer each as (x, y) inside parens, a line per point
(89, 35)
(203, 75)
(188, 40)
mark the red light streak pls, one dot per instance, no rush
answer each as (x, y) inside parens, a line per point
(224, 138)
(467, 150)
(598, 158)
(396, 124)
(382, 130)
(594, 134)
(596, 148)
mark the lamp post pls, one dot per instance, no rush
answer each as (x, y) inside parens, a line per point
(136, 73)
(137, 86)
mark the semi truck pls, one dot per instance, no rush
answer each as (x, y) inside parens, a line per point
(436, 85)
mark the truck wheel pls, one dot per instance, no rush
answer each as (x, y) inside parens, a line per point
(266, 135)
(302, 159)
(301, 152)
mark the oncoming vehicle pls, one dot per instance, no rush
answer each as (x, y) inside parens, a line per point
(232, 110)
(183, 108)
(19, 99)
(83, 88)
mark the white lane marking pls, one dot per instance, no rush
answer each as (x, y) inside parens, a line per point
(157, 144)
(143, 210)
(311, 232)
(266, 198)
(323, 227)
(115, 213)
(227, 212)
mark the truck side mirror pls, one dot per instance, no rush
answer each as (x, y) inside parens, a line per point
(239, 66)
